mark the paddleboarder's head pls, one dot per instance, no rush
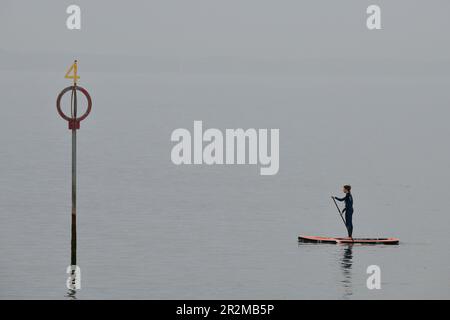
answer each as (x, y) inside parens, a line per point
(347, 188)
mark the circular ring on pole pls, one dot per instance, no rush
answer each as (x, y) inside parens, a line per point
(74, 123)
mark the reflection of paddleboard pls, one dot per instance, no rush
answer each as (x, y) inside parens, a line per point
(312, 239)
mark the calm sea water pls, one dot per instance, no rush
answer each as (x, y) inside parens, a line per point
(148, 229)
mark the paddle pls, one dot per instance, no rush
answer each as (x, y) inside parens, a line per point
(340, 213)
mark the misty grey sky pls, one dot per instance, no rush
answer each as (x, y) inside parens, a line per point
(286, 29)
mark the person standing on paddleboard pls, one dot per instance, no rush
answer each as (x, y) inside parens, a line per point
(348, 208)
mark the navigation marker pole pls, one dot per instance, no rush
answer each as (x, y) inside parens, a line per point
(74, 280)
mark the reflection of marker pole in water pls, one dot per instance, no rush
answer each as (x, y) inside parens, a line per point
(74, 125)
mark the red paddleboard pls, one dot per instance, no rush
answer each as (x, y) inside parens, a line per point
(312, 239)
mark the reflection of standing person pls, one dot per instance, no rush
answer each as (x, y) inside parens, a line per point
(348, 199)
(346, 265)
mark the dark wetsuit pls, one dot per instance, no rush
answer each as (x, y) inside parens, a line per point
(348, 212)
